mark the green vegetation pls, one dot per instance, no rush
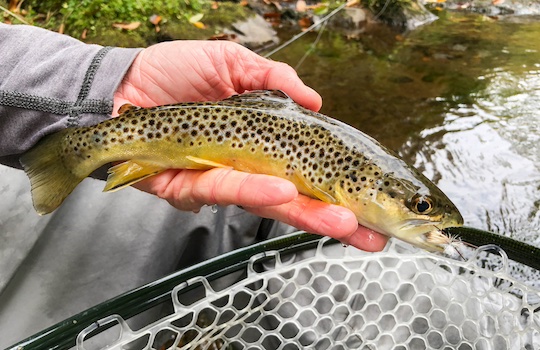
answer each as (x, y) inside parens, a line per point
(80, 15)
(128, 22)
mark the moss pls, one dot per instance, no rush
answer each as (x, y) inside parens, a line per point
(95, 18)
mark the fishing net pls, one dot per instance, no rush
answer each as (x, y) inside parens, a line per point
(335, 297)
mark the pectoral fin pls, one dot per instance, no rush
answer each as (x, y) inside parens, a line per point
(205, 163)
(341, 196)
(313, 190)
(128, 173)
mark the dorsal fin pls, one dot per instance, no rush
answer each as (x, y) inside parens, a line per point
(274, 98)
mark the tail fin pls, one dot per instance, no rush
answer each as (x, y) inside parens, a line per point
(51, 180)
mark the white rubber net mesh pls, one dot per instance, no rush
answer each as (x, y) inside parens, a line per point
(341, 298)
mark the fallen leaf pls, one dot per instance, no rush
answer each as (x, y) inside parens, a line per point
(305, 22)
(351, 3)
(276, 4)
(215, 5)
(497, 2)
(127, 26)
(155, 19)
(199, 25)
(272, 15)
(15, 5)
(83, 35)
(301, 6)
(61, 29)
(224, 36)
(196, 18)
(244, 3)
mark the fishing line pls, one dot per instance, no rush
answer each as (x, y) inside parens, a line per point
(312, 47)
(382, 10)
(299, 35)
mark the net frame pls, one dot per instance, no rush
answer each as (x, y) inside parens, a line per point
(511, 321)
(332, 297)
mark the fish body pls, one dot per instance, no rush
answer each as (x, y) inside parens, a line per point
(259, 132)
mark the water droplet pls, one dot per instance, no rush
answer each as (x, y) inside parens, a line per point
(345, 245)
(214, 208)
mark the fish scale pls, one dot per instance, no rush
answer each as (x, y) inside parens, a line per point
(259, 132)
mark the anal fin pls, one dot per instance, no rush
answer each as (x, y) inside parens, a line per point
(128, 173)
(205, 163)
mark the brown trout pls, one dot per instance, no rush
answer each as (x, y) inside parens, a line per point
(258, 132)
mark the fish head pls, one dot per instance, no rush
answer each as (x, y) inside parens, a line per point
(412, 209)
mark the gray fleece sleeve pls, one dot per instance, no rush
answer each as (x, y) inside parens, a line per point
(50, 81)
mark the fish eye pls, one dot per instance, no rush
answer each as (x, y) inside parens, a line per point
(422, 205)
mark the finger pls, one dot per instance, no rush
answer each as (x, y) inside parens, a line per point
(191, 189)
(249, 71)
(283, 77)
(366, 239)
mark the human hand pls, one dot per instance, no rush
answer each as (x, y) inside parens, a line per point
(212, 70)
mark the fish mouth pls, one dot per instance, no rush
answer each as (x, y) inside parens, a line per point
(425, 234)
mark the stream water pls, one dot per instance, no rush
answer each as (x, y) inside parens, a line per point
(458, 98)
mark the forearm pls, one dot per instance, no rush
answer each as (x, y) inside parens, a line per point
(49, 82)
